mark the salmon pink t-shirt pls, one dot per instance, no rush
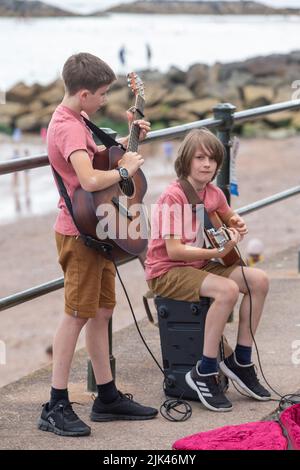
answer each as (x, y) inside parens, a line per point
(167, 219)
(67, 133)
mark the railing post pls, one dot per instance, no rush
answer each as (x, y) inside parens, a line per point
(91, 381)
(225, 111)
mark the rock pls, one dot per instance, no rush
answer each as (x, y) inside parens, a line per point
(22, 93)
(257, 95)
(296, 120)
(179, 94)
(175, 75)
(120, 98)
(19, 8)
(200, 107)
(52, 96)
(35, 120)
(254, 129)
(155, 93)
(199, 8)
(280, 134)
(29, 122)
(115, 112)
(282, 118)
(284, 93)
(274, 66)
(12, 110)
(35, 106)
(196, 79)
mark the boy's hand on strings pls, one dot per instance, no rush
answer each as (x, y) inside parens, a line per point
(239, 224)
(144, 126)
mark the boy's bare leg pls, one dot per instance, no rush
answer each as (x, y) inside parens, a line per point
(239, 367)
(97, 344)
(225, 293)
(63, 349)
(259, 285)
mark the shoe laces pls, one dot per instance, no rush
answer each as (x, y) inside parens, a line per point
(67, 410)
(127, 396)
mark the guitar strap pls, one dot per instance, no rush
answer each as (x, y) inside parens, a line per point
(106, 139)
(195, 201)
(104, 247)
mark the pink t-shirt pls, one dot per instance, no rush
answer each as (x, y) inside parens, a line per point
(67, 133)
(165, 222)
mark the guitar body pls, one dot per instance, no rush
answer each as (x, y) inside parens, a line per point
(111, 211)
(233, 256)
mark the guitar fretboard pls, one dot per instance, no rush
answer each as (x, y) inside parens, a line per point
(133, 141)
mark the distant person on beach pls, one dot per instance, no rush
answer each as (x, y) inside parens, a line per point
(27, 183)
(89, 278)
(148, 55)
(168, 150)
(43, 134)
(15, 183)
(122, 57)
(179, 268)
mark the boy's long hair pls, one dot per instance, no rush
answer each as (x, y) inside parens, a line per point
(86, 71)
(192, 141)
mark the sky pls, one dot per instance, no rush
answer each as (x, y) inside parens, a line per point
(87, 6)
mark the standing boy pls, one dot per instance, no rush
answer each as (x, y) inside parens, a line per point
(89, 277)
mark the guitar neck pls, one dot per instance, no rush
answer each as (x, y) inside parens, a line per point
(133, 141)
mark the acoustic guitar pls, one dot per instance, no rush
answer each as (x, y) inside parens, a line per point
(116, 214)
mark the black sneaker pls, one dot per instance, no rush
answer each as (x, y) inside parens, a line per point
(62, 420)
(123, 408)
(208, 389)
(245, 376)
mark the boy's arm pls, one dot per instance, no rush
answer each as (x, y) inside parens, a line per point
(231, 219)
(89, 178)
(92, 180)
(178, 251)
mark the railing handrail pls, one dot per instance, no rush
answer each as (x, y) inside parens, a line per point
(28, 163)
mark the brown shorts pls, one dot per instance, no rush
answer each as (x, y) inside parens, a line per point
(183, 283)
(89, 277)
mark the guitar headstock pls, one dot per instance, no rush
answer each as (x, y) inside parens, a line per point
(136, 84)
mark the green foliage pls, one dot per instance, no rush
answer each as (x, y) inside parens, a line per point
(5, 129)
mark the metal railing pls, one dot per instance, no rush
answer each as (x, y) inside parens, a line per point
(223, 121)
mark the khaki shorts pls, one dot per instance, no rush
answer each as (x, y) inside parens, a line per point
(89, 277)
(183, 283)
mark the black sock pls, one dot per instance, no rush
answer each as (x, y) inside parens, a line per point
(108, 392)
(243, 354)
(208, 365)
(57, 394)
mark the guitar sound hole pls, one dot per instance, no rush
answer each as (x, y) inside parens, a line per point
(127, 187)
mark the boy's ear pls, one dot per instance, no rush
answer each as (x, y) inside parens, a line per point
(83, 93)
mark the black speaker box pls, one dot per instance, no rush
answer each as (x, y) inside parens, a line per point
(181, 328)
